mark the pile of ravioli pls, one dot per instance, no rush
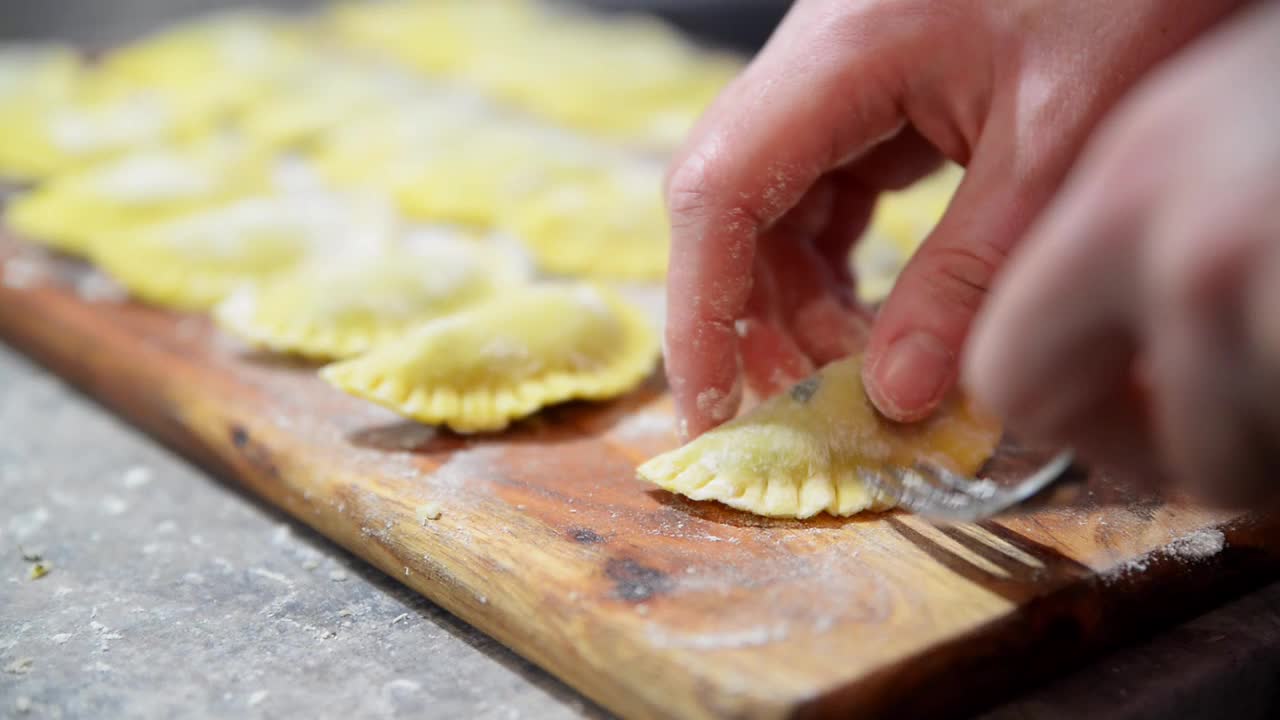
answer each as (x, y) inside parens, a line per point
(442, 201)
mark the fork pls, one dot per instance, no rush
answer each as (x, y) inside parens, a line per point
(935, 493)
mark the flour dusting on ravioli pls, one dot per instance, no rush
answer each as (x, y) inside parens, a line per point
(483, 367)
(806, 451)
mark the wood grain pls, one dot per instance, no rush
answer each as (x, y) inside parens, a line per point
(651, 605)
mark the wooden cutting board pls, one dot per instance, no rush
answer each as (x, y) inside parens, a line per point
(651, 605)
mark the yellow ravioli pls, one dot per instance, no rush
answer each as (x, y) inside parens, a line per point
(433, 36)
(223, 60)
(901, 222)
(804, 451)
(36, 73)
(322, 94)
(389, 149)
(607, 224)
(194, 261)
(70, 211)
(474, 181)
(176, 85)
(482, 368)
(95, 125)
(610, 77)
(342, 305)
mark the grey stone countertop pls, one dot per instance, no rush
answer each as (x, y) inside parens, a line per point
(172, 594)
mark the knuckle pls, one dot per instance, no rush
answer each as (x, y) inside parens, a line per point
(960, 276)
(688, 185)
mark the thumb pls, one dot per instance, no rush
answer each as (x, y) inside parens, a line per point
(913, 355)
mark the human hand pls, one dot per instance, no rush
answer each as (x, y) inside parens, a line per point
(1140, 321)
(778, 179)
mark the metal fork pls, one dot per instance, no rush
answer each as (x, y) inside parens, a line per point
(936, 493)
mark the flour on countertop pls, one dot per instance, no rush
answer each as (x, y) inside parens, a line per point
(135, 477)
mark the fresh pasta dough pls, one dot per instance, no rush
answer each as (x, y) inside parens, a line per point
(194, 261)
(69, 212)
(901, 222)
(484, 367)
(345, 304)
(804, 451)
(609, 224)
(472, 182)
(36, 73)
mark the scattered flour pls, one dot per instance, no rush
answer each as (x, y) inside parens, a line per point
(728, 640)
(273, 576)
(21, 273)
(644, 425)
(719, 406)
(94, 287)
(26, 524)
(1197, 546)
(1190, 548)
(135, 477)
(112, 505)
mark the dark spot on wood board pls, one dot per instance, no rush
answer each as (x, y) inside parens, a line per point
(635, 582)
(257, 455)
(586, 536)
(804, 390)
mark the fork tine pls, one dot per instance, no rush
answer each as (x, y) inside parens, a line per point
(937, 493)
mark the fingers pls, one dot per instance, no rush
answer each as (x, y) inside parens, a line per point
(771, 359)
(1055, 340)
(805, 105)
(1150, 254)
(1201, 259)
(914, 351)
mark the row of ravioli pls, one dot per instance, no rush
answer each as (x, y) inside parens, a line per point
(344, 208)
(206, 113)
(362, 186)
(494, 114)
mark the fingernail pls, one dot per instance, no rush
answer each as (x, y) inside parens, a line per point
(912, 376)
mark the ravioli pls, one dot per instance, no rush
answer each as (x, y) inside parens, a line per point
(484, 367)
(609, 225)
(315, 97)
(606, 78)
(70, 211)
(901, 222)
(476, 180)
(93, 126)
(379, 150)
(222, 61)
(194, 261)
(36, 73)
(803, 452)
(435, 36)
(344, 304)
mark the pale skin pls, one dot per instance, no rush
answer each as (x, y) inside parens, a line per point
(1107, 276)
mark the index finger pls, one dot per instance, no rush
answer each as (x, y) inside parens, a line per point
(813, 100)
